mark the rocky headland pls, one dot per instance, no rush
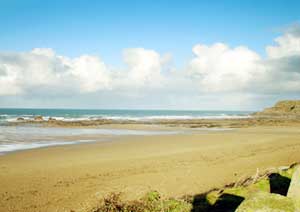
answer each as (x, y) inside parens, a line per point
(287, 109)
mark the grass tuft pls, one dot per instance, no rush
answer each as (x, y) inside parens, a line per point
(151, 202)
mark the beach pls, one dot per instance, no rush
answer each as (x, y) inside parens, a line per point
(77, 177)
(149, 106)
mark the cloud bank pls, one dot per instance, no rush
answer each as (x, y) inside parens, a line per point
(215, 70)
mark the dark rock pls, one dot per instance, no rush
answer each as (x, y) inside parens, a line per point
(294, 189)
(51, 119)
(267, 202)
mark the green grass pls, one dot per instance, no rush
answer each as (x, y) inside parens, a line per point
(227, 198)
(151, 202)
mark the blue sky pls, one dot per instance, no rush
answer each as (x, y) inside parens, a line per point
(106, 27)
(149, 54)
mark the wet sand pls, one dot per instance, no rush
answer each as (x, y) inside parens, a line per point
(76, 177)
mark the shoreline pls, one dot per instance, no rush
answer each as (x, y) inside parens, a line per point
(77, 177)
(25, 137)
(186, 123)
(106, 132)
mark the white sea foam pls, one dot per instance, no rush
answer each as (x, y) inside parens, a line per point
(161, 117)
(13, 138)
(10, 147)
(67, 118)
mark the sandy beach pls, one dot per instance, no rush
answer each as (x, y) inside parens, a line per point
(149, 106)
(77, 177)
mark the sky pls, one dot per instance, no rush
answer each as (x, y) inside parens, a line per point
(199, 55)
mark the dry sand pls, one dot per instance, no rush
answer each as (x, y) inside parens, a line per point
(76, 177)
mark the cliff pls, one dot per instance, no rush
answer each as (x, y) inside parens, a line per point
(282, 108)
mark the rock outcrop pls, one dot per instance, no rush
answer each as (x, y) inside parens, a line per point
(274, 200)
(38, 118)
(282, 108)
(294, 189)
(51, 119)
(267, 202)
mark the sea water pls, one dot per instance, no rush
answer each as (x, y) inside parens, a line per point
(81, 114)
(14, 138)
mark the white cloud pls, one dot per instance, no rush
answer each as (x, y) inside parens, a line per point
(32, 70)
(283, 63)
(91, 72)
(286, 45)
(219, 68)
(144, 67)
(215, 70)
(8, 80)
(44, 52)
(43, 68)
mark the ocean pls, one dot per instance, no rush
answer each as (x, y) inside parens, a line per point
(7, 115)
(15, 138)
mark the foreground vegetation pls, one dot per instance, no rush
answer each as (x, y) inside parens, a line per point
(269, 189)
(152, 202)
